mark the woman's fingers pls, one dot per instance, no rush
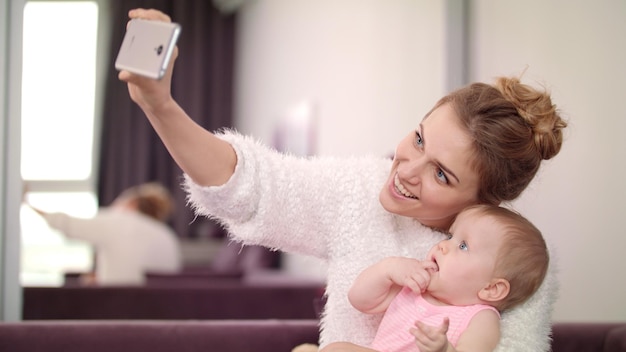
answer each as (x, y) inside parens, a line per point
(130, 78)
(149, 14)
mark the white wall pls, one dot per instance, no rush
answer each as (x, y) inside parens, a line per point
(375, 67)
(372, 68)
(578, 49)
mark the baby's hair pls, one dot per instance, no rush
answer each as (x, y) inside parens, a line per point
(514, 127)
(523, 257)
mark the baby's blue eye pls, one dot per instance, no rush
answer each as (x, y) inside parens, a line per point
(463, 246)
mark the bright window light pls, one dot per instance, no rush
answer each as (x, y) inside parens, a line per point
(58, 89)
(58, 99)
(46, 254)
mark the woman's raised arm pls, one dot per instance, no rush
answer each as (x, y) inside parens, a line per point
(208, 160)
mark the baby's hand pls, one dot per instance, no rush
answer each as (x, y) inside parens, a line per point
(411, 272)
(431, 338)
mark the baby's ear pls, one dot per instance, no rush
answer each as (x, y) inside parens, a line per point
(495, 291)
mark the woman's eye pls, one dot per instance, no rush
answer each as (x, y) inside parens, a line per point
(449, 236)
(441, 176)
(418, 139)
(463, 246)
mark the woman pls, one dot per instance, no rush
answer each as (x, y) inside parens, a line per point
(481, 144)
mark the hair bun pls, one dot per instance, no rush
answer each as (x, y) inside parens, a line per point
(536, 108)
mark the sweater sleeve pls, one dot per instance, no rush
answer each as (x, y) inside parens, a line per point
(89, 230)
(281, 201)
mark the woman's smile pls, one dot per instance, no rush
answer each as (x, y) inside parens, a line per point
(401, 190)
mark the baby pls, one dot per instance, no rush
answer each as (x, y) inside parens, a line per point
(493, 260)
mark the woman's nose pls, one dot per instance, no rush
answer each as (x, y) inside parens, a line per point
(414, 170)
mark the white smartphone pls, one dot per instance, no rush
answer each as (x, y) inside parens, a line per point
(147, 47)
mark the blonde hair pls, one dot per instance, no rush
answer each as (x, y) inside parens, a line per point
(522, 258)
(513, 127)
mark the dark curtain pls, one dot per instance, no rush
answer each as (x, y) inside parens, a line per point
(131, 152)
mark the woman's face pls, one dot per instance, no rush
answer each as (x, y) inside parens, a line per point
(431, 177)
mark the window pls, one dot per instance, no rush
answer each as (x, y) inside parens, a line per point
(59, 52)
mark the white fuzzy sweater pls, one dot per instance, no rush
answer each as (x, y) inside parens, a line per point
(328, 208)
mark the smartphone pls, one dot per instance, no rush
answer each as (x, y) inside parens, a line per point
(147, 47)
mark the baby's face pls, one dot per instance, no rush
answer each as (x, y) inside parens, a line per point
(465, 261)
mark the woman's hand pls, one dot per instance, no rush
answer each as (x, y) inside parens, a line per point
(150, 94)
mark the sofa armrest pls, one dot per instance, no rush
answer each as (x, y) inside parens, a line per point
(585, 337)
(616, 339)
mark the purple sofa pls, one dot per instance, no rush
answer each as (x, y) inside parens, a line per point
(157, 336)
(589, 337)
(211, 300)
(269, 335)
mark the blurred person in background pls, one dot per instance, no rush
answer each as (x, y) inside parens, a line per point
(130, 237)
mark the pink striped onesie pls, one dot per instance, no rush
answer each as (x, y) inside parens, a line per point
(408, 307)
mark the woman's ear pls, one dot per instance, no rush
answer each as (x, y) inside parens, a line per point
(495, 291)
